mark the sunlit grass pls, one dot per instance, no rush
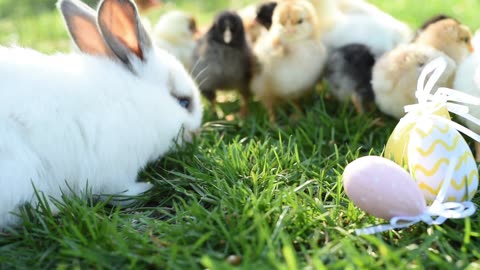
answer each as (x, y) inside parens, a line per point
(270, 195)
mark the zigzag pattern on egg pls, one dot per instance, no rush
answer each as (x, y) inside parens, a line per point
(424, 134)
(463, 159)
(432, 147)
(472, 180)
(439, 142)
(432, 171)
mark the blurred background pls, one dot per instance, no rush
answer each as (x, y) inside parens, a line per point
(37, 24)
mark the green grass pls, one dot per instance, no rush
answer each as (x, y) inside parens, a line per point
(270, 194)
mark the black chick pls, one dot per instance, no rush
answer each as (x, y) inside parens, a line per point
(265, 14)
(349, 74)
(224, 60)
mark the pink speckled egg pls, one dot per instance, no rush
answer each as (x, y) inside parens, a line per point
(382, 188)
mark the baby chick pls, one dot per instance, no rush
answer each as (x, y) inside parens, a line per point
(428, 22)
(432, 20)
(449, 36)
(253, 29)
(257, 19)
(467, 79)
(347, 22)
(223, 59)
(348, 73)
(265, 13)
(291, 54)
(395, 75)
(175, 32)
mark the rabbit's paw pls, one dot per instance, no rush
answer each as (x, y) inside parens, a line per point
(138, 188)
(126, 198)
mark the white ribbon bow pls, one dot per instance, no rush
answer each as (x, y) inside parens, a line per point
(447, 97)
(439, 211)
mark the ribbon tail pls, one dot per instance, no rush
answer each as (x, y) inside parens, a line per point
(394, 224)
(470, 209)
(374, 229)
(436, 68)
(457, 96)
(458, 210)
(442, 194)
(439, 220)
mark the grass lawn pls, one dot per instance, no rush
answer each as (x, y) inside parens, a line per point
(246, 192)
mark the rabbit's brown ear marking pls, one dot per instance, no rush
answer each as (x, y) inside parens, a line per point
(122, 30)
(81, 23)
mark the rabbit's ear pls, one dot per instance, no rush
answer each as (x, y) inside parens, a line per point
(122, 30)
(82, 26)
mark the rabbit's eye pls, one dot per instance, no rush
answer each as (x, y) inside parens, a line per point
(184, 102)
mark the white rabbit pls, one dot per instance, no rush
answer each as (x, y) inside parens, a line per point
(97, 117)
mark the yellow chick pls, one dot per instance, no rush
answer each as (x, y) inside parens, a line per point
(175, 32)
(395, 75)
(292, 56)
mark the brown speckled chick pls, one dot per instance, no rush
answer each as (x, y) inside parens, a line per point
(448, 36)
(396, 73)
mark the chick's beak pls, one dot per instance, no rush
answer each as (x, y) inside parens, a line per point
(195, 32)
(227, 35)
(290, 29)
(471, 48)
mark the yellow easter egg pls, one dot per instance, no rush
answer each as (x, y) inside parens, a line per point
(396, 148)
(397, 144)
(431, 148)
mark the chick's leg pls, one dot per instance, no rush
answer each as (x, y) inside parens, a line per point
(357, 103)
(297, 115)
(211, 95)
(245, 102)
(269, 104)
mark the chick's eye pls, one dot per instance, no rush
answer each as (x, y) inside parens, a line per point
(466, 40)
(184, 102)
(300, 21)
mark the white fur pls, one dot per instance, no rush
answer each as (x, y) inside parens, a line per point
(379, 34)
(467, 79)
(173, 34)
(357, 7)
(78, 118)
(347, 21)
